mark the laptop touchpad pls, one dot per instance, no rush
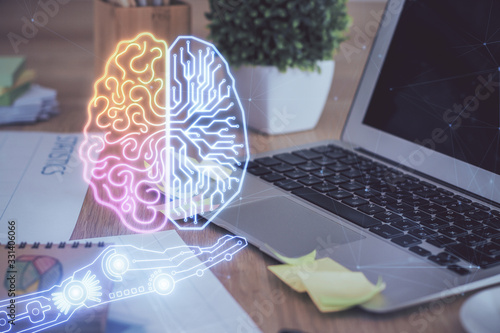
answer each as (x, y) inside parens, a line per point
(288, 227)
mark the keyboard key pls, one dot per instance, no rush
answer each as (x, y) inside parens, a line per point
(386, 231)
(447, 257)
(453, 231)
(493, 222)
(383, 200)
(423, 233)
(363, 166)
(433, 208)
(309, 166)
(398, 194)
(428, 185)
(337, 180)
(272, 177)
(324, 161)
(354, 186)
(477, 214)
(486, 232)
(267, 161)
(470, 255)
(307, 154)
(445, 192)
(250, 165)
(410, 186)
(295, 174)
(352, 159)
(355, 202)
(468, 224)
(323, 172)
(288, 184)
(325, 187)
(259, 171)
(440, 241)
(290, 159)
(427, 193)
(338, 167)
(405, 225)
(371, 209)
(353, 173)
(382, 187)
(367, 193)
(336, 154)
(480, 206)
(450, 216)
(495, 212)
(413, 179)
(462, 199)
(367, 179)
(406, 241)
(460, 207)
(310, 180)
(472, 240)
(444, 259)
(442, 200)
(490, 249)
(322, 149)
(337, 208)
(458, 269)
(388, 217)
(416, 215)
(339, 194)
(435, 223)
(399, 207)
(420, 251)
(282, 168)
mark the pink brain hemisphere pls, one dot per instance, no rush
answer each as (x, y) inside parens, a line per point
(153, 161)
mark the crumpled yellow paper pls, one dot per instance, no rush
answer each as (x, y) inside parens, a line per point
(331, 286)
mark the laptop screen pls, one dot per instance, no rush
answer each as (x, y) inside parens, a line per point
(439, 84)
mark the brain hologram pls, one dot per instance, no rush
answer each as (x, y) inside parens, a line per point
(165, 138)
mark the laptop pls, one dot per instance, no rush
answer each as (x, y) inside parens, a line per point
(411, 192)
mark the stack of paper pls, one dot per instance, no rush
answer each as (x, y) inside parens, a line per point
(38, 103)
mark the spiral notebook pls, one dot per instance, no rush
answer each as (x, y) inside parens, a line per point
(40, 266)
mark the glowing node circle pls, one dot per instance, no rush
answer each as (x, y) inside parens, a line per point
(75, 293)
(199, 272)
(3, 322)
(118, 264)
(163, 284)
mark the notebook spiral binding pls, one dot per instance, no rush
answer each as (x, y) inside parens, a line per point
(61, 245)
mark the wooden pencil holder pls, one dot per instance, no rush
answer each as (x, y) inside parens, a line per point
(113, 24)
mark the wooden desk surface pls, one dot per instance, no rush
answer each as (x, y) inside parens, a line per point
(62, 54)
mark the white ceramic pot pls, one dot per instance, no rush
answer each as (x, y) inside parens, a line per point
(279, 103)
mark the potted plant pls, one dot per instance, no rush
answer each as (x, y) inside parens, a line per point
(281, 55)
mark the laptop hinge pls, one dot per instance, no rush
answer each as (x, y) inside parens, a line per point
(423, 175)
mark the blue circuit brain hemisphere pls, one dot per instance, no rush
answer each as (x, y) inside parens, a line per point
(206, 140)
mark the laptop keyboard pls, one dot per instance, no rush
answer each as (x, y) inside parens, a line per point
(389, 203)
